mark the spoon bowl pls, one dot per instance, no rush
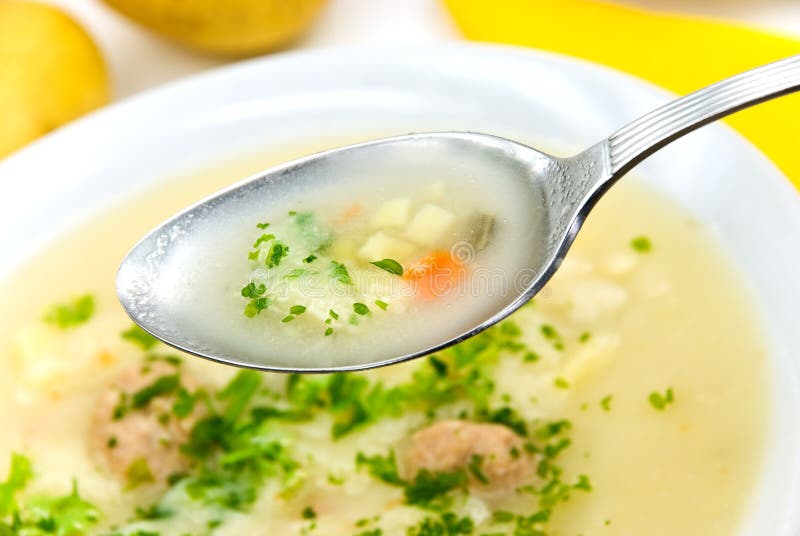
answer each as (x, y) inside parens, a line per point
(562, 192)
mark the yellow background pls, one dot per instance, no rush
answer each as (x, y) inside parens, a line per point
(679, 53)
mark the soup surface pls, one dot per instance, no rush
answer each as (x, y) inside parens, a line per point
(628, 398)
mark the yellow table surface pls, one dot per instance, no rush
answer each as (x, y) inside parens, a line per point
(677, 52)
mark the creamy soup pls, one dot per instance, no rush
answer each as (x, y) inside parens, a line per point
(628, 398)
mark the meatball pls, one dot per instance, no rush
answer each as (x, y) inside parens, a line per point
(452, 445)
(141, 445)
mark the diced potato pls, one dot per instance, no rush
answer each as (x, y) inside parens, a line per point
(590, 298)
(392, 213)
(621, 263)
(381, 246)
(436, 190)
(429, 224)
(592, 357)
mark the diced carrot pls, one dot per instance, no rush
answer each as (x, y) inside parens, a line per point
(351, 212)
(435, 275)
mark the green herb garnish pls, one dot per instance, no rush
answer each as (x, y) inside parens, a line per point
(255, 306)
(389, 265)
(251, 290)
(381, 304)
(384, 468)
(308, 513)
(139, 337)
(449, 524)
(641, 244)
(659, 401)
(277, 251)
(475, 468)
(605, 402)
(360, 309)
(139, 473)
(63, 515)
(162, 386)
(262, 239)
(297, 309)
(74, 313)
(339, 273)
(310, 259)
(428, 489)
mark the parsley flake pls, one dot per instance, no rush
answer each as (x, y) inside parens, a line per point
(389, 265)
(641, 244)
(659, 401)
(74, 313)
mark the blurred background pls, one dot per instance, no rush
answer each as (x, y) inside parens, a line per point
(60, 59)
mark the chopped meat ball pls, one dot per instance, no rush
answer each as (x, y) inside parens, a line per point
(493, 451)
(135, 431)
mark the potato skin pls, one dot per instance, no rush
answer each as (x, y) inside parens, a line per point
(50, 72)
(232, 27)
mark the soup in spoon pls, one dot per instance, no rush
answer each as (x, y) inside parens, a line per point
(352, 270)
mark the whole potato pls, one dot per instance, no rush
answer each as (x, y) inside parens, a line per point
(232, 27)
(50, 72)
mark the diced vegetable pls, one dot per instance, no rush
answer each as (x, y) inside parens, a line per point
(435, 275)
(481, 229)
(382, 246)
(392, 213)
(429, 225)
(389, 265)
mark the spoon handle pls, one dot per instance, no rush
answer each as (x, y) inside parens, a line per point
(639, 139)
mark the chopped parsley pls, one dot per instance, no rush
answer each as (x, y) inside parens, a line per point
(641, 244)
(360, 308)
(561, 383)
(61, 515)
(389, 265)
(606, 401)
(475, 468)
(659, 401)
(139, 473)
(429, 489)
(551, 334)
(184, 403)
(277, 251)
(297, 310)
(340, 274)
(308, 513)
(310, 259)
(163, 385)
(263, 239)
(447, 524)
(257, 301)
(71, 314)
(382, 304)
(531, 357)
(383, 468)
(139, 337)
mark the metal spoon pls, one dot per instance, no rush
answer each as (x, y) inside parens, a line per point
(568, 189)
